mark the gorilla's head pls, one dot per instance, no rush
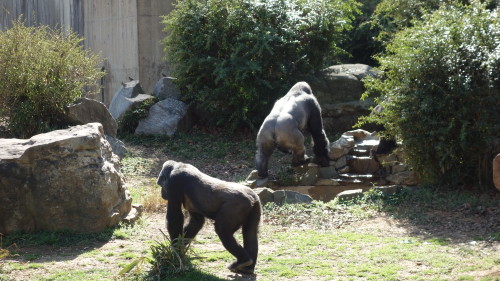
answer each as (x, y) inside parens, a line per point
(164, 177)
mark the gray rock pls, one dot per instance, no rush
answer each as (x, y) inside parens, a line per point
(328, 172)
(86, 110)
(164, 118)
(341, 147)
(64, 179)
(134, 214)
(165, 88)
(127, 97)
(266, 195)
(310, 176)
(117, 146)
(338, 89)
(290, 197)
(350, 195)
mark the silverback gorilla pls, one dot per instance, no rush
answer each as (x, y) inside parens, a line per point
(291, 115)
(230, 205)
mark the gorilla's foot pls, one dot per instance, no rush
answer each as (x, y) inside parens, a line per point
(242, 267)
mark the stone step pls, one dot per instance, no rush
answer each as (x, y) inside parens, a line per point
(362, 164)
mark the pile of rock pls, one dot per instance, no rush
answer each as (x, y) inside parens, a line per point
(165, 117)
(355, 168)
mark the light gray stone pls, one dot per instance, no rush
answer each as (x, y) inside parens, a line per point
(64, 179)
(127, 97)
(350, 195)
(290, 197)
(163, 119)
(165, 88)
(117, 146)
(341, 147)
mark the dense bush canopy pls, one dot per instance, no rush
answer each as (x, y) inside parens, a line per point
(41, 71)
(233, 58)
(441, 92)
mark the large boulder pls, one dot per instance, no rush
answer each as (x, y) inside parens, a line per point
(165, 88)
(64, 179)
(130, 95)
(338, 89)
(165, 118)
(86, 110)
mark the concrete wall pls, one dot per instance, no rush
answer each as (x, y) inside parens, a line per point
(126, 33)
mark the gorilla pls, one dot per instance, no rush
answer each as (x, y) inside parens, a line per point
(283, 128)
(230, 205)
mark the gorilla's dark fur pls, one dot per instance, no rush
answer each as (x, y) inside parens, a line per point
(291, 115)
(230, 205)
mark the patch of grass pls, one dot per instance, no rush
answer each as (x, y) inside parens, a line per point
(78, 274)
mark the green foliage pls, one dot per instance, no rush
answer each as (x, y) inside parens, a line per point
(391, 16)
(168, 259)
(41, 71)
(234, 58)
(441, 93)
(361, 43)
(129, 121)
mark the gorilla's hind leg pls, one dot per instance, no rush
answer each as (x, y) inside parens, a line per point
(225, 226)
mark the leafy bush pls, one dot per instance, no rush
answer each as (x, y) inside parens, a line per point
(441, 93)
(391, 16)
(361, 43)
(234, 58)
(41, 71)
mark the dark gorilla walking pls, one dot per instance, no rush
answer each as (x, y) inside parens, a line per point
(230, 205)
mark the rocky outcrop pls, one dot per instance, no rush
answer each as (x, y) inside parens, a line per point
(130, 95)
(64, 179)
(165, 118)
(338, 89)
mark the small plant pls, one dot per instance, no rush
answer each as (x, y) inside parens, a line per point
(41, 71)
(168, 258)
(130, 119)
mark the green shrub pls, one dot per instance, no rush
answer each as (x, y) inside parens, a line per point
(234, 58)
(441, 93)
(41, 71)
(361, 43)
(391, 16)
